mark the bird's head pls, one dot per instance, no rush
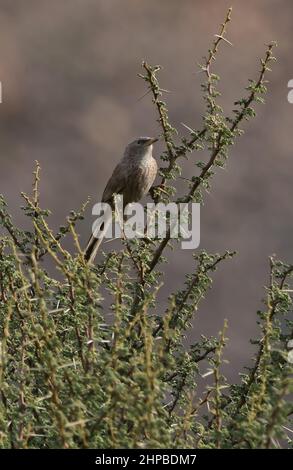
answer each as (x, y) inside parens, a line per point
(140, 146)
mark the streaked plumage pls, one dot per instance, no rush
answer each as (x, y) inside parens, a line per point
(132, 177)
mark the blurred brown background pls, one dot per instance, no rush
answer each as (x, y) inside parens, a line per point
(71, 100)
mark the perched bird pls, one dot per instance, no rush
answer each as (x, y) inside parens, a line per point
(132, 178)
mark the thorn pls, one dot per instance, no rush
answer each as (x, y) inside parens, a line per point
(224, 39)
(188, 128)
(145, 94)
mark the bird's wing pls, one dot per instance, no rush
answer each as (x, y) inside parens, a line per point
(116, 183)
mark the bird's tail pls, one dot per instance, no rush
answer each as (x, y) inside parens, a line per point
(96, 239)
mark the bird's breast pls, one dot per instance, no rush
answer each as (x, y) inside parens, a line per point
(140, 179)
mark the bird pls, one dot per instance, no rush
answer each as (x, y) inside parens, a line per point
(132, 178)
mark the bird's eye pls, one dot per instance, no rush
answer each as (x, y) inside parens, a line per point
(141, 141)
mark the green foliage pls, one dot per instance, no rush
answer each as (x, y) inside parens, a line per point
(88, 358)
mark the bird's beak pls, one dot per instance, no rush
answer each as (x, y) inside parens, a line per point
(151, 141)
